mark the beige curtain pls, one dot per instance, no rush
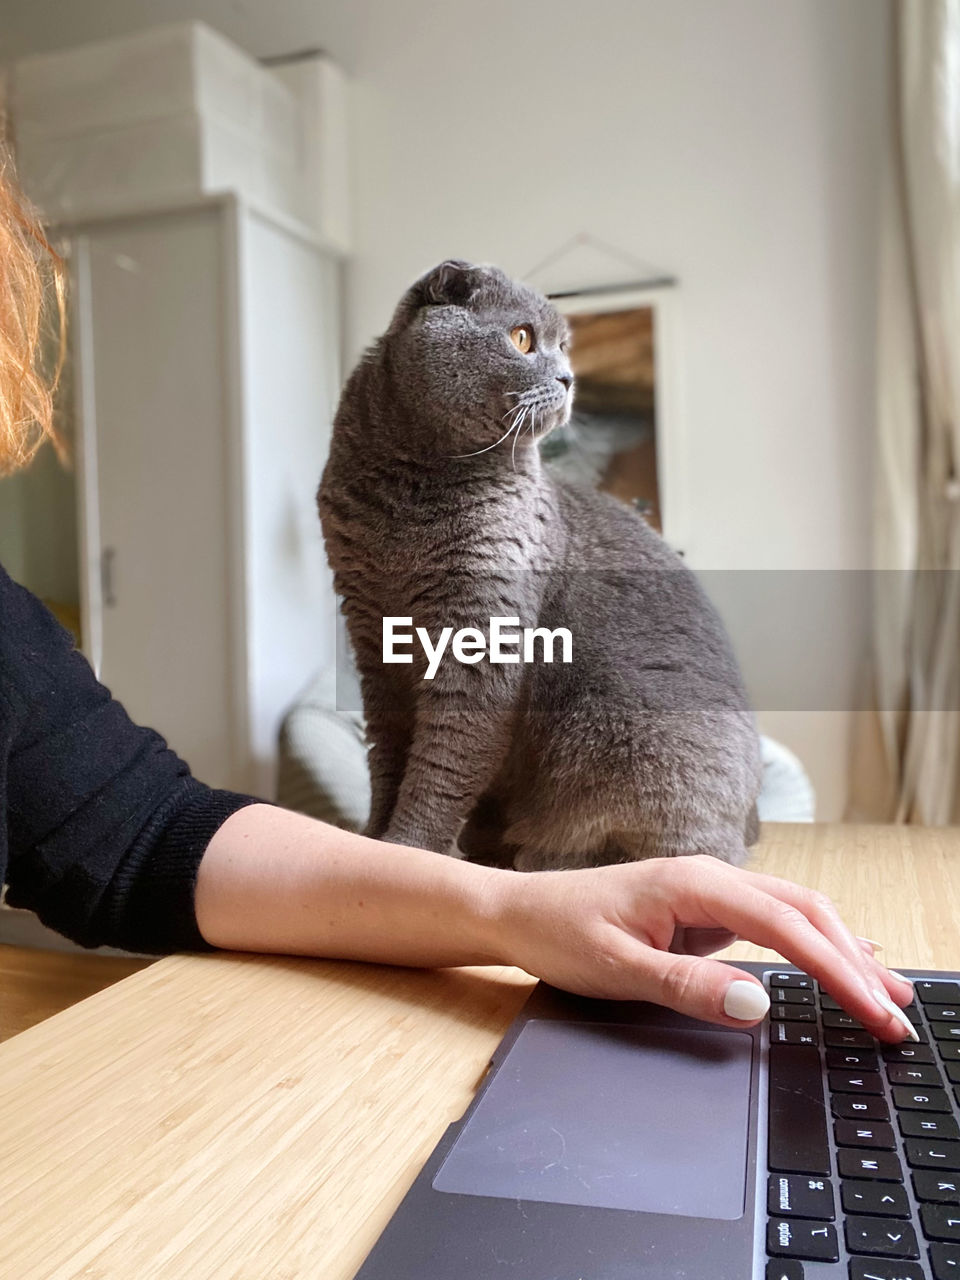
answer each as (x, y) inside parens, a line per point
(917, 534)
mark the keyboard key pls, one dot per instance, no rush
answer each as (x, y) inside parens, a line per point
(941, 1221)
(881, 1237)
(791, 980)
(837, 1018)
(908, 1053)
(792, 995)
(865, 1059)
(931, 992)
(884, 1269)
(784, 1269)
(953, 1071)
(883, 1166)
(914, 1073)
(795, 1238)
(941, 1188)
(913, 1013)
(855, 1082)
(917, 1124)
(797, 1140)
(884, 1199)
(945, 1260)
(864, 1133)
(828, 1002)
(920, 1099)
(792, 1013)
(793, 1033)
(848, 1106)
(837, 1038)
(948, 1052)
(943, 1012)
(945, 1030)
(932, 1155)
(793, 1196)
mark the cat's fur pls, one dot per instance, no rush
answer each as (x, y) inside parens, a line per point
(644, 745)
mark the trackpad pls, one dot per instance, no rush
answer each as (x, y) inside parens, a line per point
(613, 1117)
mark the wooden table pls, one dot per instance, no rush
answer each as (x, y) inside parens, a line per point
(35, 984)
(253, 1118)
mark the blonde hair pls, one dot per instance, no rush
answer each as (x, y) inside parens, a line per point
(31, 279)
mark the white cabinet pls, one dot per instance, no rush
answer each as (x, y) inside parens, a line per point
(205, 347)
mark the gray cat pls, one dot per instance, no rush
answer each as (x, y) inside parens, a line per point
(435, 507)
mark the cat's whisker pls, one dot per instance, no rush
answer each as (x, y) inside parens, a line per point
(515, 408)
(488, 447)
(522, 419)
(513, 451)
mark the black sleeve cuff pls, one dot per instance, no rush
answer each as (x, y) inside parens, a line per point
(149, 906)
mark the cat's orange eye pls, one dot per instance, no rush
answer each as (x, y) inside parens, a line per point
(522, 338)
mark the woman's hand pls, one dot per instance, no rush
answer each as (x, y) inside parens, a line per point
(640, 931)
(276, 881)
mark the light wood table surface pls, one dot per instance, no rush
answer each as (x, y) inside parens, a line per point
(257, 1118)
(35, 984)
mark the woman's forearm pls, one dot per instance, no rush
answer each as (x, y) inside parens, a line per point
(272, 880)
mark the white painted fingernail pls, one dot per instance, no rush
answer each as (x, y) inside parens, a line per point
(885, 1002)
(893, 974)
(746, 1001)
(875, 946)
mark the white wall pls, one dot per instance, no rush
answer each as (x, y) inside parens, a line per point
(735, 143)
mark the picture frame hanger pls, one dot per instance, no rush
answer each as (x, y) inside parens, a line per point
(648, 276)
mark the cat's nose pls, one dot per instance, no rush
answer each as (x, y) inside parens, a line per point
(566, 379)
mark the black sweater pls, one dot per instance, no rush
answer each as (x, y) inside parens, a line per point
(102, 827)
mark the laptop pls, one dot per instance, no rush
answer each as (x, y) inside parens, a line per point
(615, 1141)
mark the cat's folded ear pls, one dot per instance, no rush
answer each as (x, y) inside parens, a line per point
(450, 284)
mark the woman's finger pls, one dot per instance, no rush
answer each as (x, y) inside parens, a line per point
(700, 988)
(823, 914)
(710, 898)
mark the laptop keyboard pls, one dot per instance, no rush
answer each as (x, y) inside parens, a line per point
(863, 1139)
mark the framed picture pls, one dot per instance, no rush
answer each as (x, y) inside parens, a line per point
(625, 434)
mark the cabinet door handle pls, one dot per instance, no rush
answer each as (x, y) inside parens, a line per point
(107, 557)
